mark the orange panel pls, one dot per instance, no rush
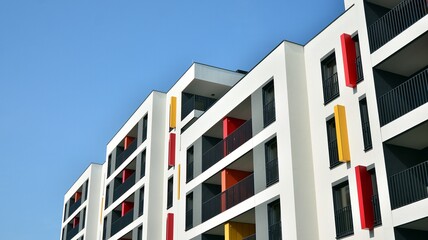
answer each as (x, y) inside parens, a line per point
(230, 125)
(77, 196)
(126, 173)
(127, 141)
(126, 207)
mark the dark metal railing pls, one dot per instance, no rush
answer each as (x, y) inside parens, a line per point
(196, 103)
(227, 145)
(376, 210)
(343, 221)
(74, 206)
(122, 188)
(189, 219)
(122, 222)
(251, 237)
(333, 153)
(239, 192)
(275, 231)
(126, 153)
(272, 175)
(269, 113)
(360, 74)
(409, 186)
(331, 88)
(403, 98)
(73, 232)
(367, 138)
(189, 172)
(396, 21)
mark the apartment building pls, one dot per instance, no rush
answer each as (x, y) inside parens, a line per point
(327, 140)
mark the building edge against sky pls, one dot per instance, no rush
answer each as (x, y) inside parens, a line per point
(326, 140)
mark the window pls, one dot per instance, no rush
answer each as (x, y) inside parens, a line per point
(189, 170)
(141, 202)
(274, 220)
(271, 159)
(332, 143)
(329, 78)
(189, 211)
(365, 125)
(107, 203)
(140, 232)
(83, 218)
(375, 199)
(145, 127)
(360, 74)
(342, 210)
(170, 193)
(268, 104)
(109, 166)
(143, 164)
(105, 229)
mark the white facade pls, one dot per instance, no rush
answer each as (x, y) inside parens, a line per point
(318, 141)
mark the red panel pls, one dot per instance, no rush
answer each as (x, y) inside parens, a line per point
(365, 193)
(127, 141)
(126, 207)
(126, 173)
(170, 226)
(77, 196)
(75, 222)
(349, 56)
(230, 125)
(171, 150)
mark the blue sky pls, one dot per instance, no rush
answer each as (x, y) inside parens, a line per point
(72, 72)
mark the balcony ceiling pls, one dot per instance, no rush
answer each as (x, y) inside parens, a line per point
(385, 3)
(408, 60)
(415, 138)
(206, 89)
(421, 225)
(247, 217)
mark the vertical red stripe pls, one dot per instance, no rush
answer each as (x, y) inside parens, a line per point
(170, 226)
(171, 150)
(349, 57)
(127, 141)
(365, 193)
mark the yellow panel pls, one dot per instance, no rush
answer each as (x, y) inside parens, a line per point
(101, 210)
(238, 231)
(342, 133)
(178, 181)
(173, 112)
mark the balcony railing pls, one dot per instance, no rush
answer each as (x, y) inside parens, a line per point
(376, 210)
(269, 113)
(126, 153)
(189, 219)
(396, 21)
(360, 74)
(239, 192)
(74, 206)
(189, 172)
(333, 153)
(73, 232)
(272, 175)
(227, 145)
(343, 221)
(331, 88)
(251, 237)
(367, 138)
(122, 222)
(404, 98)
(122, 188)
(409, 186)
(275, 231)
(196, 103)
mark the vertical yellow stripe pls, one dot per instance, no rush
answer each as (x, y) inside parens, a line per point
(178, 181)
(173, 112)
(101, 210)
(342, 133)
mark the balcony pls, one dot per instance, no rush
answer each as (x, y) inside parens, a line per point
(227, 199)
(73, 232)
(376, 210)
(74, 206)
(122, 188)
(122, 222)
(227, 145)
(409, 186)
(251, 237)
(395, 21)
(404, 98)
(343, 221)
(196, 102)
(126, 153)
(275, 231)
